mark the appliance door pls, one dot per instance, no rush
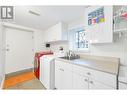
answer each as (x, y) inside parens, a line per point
(42, 69)
(46, 72)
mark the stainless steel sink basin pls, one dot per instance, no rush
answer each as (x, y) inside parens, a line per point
(70, 58)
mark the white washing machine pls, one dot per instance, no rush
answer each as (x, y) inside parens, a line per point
(47, 71)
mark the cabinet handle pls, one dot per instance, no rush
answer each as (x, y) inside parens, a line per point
(61, 69)
(85, 80)
(88, 73)
(7, 49)
(91, 82)
(55, 88)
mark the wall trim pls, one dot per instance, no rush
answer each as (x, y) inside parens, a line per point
(2, 83)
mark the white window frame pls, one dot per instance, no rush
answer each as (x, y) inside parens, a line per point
(82, 50)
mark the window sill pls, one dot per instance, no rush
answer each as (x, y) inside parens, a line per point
(81, 51)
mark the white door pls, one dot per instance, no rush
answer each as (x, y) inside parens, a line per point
(19, 50)
(80, 82)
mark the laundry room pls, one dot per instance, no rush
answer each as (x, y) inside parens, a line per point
(80, 47)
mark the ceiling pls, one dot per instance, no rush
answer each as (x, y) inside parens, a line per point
(49, 15)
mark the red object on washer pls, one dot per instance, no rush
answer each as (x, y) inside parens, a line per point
(37, 62)
(124, 15)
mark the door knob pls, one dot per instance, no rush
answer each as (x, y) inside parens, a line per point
(85, 80)
(61, 69)
(91, 82)
(8, 45)
(88, 73)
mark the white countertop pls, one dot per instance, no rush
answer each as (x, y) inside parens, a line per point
(104, 66)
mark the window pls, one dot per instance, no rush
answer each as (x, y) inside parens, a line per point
(78, 39)
(81, 40)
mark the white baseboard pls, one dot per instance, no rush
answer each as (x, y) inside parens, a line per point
(2, 83)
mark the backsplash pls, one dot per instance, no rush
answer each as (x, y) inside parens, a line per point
(56, 46)
(116, 49)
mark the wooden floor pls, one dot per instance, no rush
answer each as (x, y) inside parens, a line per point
(33, 84)
(24, 80)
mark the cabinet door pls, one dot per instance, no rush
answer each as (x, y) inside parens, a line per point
(122, 85)
(56, 32)
(63, 78)
(63, 75)
(57, 77)
(66, 79)
(100, 28)
(98, 85)
(80, 82)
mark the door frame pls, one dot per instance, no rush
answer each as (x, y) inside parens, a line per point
(2, 55)
(18, 27)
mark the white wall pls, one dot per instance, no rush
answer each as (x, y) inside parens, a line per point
(38, 40)
(115, 49)
(76, 23)
(55, 47)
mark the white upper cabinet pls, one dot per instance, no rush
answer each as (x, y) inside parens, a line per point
(120, 19)
(99, 24)
(57, 32)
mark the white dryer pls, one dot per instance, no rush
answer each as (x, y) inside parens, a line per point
(47, 71)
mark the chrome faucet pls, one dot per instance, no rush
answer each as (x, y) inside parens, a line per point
(71, 54)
